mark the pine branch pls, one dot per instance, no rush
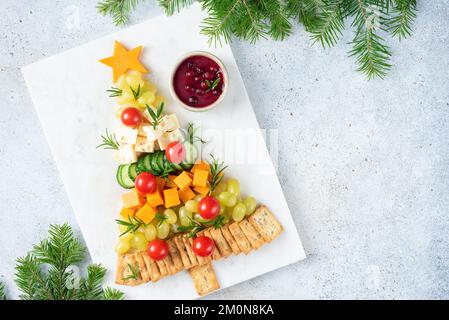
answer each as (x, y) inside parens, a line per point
(329, 26)
(119, 10)
(112, 294)
(400, 25)
(30, 280)
(90, 288)
(172, 6)
(2, 292)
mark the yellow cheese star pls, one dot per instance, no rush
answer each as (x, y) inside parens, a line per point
(124, 60)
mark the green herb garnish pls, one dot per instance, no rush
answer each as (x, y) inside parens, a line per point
(156, 116)
(212, 85)
(191, 137)
(134, 272)
(115, 92)
(132, 225)
(136, 93)
(109, 142)
(196, 226)
(216, 171)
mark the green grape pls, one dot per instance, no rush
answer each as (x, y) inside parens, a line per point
(122, 247)
(226, 218)
(171, 216)
(163, 229)
(174, 228)
(192, 205)
(239, 211)
(227, 199)
(125, 99)
(233, 186)
(184, 216)
(126, 237)
(198, 197)
(139, 242)
(150, 232)
(122, 228)
(146, 98)
(199, 218)
(220, 188)
(250, 204)
(134, 80)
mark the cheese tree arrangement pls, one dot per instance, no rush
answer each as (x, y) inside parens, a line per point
(179, 212)
(325, 21)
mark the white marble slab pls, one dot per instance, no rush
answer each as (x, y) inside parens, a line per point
(68, 92)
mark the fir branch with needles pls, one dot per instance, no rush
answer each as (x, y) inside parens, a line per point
(109, 142)
(46, 272)
(119, 10)
(2, 292)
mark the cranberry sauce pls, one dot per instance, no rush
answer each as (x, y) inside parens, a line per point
(198, 81)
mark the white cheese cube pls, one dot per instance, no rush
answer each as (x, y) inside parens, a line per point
(144, 145)
(168, 137)
(169, 123)
(125, 135)
(151, 133)
(127, 154)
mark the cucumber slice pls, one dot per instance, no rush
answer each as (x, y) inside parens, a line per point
(123, 177)
(140, 165)
(132, 171)
(148, 165)
(186, 166)
(176, 166)
(161, 161)
(191, 153)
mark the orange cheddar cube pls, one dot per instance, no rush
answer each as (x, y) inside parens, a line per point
(202, 166)
(200, 178)
(127, 212)
(155, 199)
(170, 181)
(132, 199)
(183, 181)
(186, 194)
(160, 183)
(202, 190)
(146, 213)
(171, 197)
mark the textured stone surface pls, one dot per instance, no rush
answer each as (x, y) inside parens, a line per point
(364, 164)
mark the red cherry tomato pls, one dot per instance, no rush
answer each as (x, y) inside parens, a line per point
(157, 249)
(203, 246)
(175, 152)
(131, 117)
(146, 183)
(208, 207)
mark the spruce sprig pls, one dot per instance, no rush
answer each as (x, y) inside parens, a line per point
(119, 10)
(57, 254)
(2, 292)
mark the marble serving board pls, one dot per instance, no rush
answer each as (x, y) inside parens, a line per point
(69, 93)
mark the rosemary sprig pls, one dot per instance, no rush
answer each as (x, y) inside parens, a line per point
(212, 85)
(132, 225)
(108, 141)
(196, 226)
(161, 218)
(156, 116)
(216, 171)
(191, 137)
(134, 272)
(136, 93)
(114, 92)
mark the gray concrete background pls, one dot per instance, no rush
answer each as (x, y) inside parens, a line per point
(364, 165)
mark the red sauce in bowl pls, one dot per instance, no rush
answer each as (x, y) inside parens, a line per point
(198, 82)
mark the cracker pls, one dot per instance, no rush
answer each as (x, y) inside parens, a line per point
(189, 250)
(204, 279)
(240, 238)
(221, 243)
(162, 268)
(174, 254)
(253, 236)
(182, 251)
(230, 240)
(169, 265)
(142, 267)
(130, 262)
(201, 260)
(152, 268)
(120, 269)
(266, 223)
(216, 253)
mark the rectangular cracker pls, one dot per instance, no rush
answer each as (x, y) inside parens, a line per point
(221, 243)
(169, 265)
(130, 261)
(174, 254)
(230, 239)
(162, 268)
(204, 279)
(120, 269)
(152, 268)
(253, 236)
(201, 260)
(142, 267)
(266, 223)
(240, 238)
(189, 249)
(216, 253)
(182, 251)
